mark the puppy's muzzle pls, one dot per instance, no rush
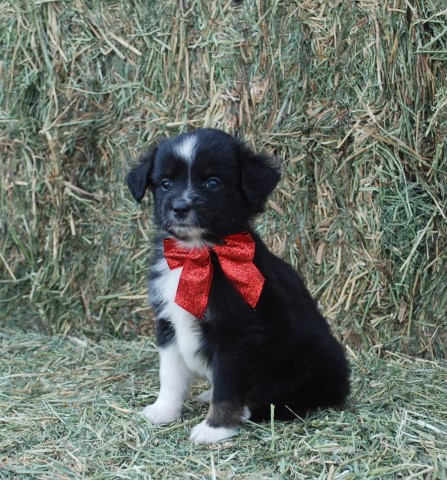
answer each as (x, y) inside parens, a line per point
(181, 208)
(181, 220)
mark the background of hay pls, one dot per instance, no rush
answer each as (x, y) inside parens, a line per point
(351, 95)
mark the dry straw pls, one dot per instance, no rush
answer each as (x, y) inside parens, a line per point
(70, 410)
(350, 95)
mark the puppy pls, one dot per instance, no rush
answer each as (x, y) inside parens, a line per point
(226, 308)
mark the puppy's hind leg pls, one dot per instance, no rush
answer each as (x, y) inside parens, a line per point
(204, 397)
(175, 380)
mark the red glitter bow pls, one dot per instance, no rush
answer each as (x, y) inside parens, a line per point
(235, 256)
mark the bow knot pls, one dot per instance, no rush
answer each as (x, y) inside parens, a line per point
(235, 257)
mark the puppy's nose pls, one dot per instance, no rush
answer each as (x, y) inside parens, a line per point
(181, 207)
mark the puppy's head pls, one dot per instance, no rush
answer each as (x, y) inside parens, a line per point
(206, 184)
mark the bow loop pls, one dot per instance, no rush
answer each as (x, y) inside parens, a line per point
(235, 256)
(236, 259)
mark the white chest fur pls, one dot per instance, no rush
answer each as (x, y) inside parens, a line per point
(187, 330)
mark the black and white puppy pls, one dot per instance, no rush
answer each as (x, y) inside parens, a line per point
(226, 308)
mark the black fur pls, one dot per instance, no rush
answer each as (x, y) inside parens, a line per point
(282, 352)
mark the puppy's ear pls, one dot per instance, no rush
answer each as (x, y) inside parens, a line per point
(139, 178)
(260, 175)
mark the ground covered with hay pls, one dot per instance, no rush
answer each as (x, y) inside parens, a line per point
(70, 409)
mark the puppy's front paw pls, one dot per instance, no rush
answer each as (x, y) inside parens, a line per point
(203, 433)
(161, 412)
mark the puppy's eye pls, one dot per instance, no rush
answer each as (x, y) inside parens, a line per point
(214, 184)
(167, 184)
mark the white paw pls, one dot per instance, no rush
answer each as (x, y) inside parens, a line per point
(161, 412)
(203, 433)
(246, 414)
(204, 397)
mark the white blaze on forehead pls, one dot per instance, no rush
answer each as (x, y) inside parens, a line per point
(186, 149)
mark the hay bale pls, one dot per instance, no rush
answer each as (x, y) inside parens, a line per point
(350, 95)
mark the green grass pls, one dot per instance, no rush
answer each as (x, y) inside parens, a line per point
(349, 95)
(69, 409)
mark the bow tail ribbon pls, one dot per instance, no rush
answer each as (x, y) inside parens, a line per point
(195, 283)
